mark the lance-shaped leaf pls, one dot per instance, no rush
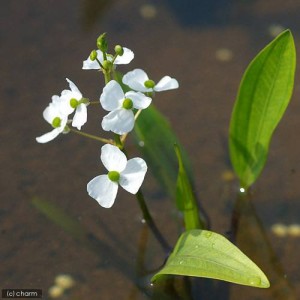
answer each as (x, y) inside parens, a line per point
(263, 96)
(185, 197)
(203, 253)
(158, 138)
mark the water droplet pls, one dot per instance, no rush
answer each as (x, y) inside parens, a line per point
(181, 262)
(143, 221)
(151, 284)
(256, 281)
(242, 190)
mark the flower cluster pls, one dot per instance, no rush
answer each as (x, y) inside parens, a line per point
(59, 109)
(123, 107)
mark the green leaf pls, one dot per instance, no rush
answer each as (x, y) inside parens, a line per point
(185, 198)
(154, 132)
(203, 253)
(263, 96)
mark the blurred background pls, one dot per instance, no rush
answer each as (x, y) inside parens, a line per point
(206, 45)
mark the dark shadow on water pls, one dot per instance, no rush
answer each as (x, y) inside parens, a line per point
(249, 235)
(174, 287)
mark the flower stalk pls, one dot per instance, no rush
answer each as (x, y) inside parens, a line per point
(150, 222)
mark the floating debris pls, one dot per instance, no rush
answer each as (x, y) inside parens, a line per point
(224, 54)
(279, 229)
(148, 11)
(62, 282)
(227, 176)
(65, 281)
(55, 291)
(282, 230)
(294, 230)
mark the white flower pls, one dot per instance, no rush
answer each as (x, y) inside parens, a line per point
(138, 80)
(126, 58)
(72, 100)
(129, 174)
(54, 116)
(120, 120)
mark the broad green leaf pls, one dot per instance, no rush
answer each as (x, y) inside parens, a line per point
(203, 253)
(185, 198)
(263, 96)
(154, 133)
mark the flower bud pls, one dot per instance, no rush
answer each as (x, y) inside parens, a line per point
(107, 64)
(119, 50)
(102, 42)
(93, 55)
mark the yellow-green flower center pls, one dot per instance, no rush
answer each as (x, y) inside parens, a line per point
(127, 103)
(149, 84)
(73, 103)
(114, 176)
(56, 122)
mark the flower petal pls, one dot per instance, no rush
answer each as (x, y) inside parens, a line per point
(119, 121)
(103, 190)
(113, 158)
(126, 58)
(51, 112)
(166, 83)
(132, 177)
(80, 116)
(76, 93)
(89, 64)
(49, 136)
(140, 101)
(136, 79)
(55, 99)
(112, 96)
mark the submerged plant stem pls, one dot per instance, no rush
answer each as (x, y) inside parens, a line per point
(94, 137)
(148, 219)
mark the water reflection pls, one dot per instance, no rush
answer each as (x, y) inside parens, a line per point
(250, 237)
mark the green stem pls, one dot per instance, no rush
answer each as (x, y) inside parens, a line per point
(94, 137)
(98, 61)
(118, 142)
(148, 219)
(106, 76)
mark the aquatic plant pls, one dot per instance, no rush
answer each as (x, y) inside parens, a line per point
(263, 96)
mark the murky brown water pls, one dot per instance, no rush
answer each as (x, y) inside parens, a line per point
(42, 42)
